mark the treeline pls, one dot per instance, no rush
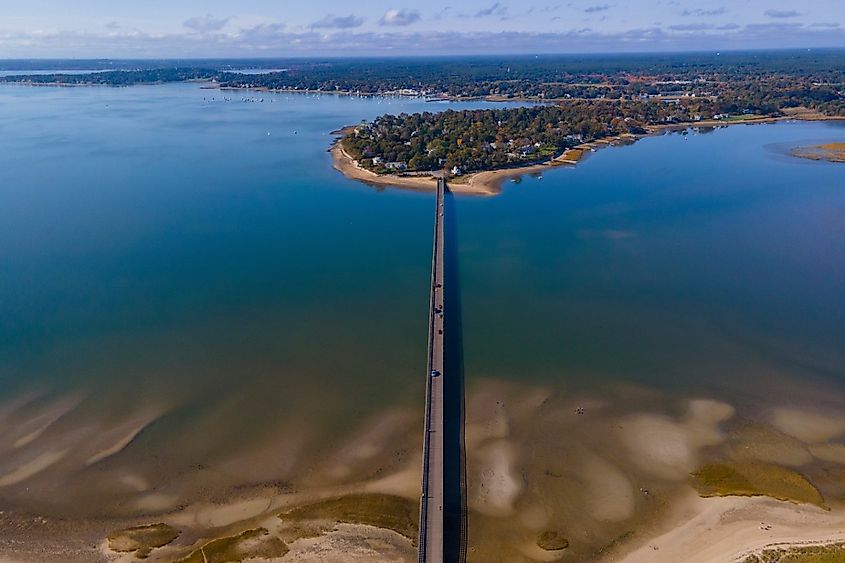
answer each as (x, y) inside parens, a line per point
(768, 85)
(119, 77)
(475, 140)
(775, 77)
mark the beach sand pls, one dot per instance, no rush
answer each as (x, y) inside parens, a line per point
(488, 183)
(730, 529)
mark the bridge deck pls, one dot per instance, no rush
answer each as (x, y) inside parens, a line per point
(431, 539)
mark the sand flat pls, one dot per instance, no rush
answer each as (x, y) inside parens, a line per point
(352, 543)
(121, 443)
(32, 467)
(31, 429)
(608, 494)
(834, 453)
(807, 426)
(729, 528)
(496, 487)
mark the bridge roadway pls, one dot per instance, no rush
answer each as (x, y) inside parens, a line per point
(431, 538)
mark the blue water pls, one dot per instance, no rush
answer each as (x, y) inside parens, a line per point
(159, 246)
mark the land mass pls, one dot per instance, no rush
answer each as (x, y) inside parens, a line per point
(485, 183)
(831, 152)
(761, 81)
(480, 149)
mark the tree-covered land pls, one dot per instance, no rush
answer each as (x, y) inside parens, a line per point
(762, 80)
(475, 140)
(591, 97)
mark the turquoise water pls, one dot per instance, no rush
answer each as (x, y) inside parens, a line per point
(157, 246)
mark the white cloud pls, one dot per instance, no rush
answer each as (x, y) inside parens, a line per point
(206, 23)
(400, 17)
(701, 12)
(332, 21)
(782, 13)
(277, 40)
(494, 10)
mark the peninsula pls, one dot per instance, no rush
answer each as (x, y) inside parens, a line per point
(480, 149)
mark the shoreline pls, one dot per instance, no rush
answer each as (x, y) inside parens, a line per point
(489, 182)
(484, 183)
(733, 529)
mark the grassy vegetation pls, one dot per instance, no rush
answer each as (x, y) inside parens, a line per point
(574, 154)
(382, 511)
(251, 544)
(833, 152)
(142, 539)
(756, 479)
(810, 554)
(552, 540)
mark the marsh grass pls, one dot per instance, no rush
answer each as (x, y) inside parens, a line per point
(257, 543)
(381, 511)
(142, 539)
(756, 479)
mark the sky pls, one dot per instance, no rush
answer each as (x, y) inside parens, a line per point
(282, 28)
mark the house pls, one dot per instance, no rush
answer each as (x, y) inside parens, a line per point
(378, 161)
(456, 171)
(396, 165)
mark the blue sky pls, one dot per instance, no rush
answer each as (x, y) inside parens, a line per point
(278, 28)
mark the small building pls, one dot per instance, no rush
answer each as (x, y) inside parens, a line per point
(378, 161)
(456, 171)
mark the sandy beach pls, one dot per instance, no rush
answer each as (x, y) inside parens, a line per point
(731, 529)
(487, 183)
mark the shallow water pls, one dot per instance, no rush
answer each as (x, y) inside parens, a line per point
(163, 252)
